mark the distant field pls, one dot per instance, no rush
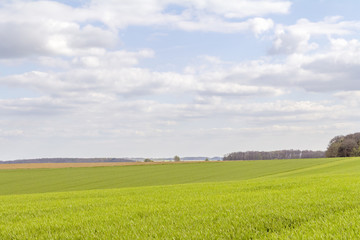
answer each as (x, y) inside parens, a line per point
(76, 165)
(19, 181)
(281, 199)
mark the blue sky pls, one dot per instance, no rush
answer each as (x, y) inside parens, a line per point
(151, 78)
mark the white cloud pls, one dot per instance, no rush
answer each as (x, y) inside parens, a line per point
(352, 98)
(144, 12)
(90, 86)
(52, 38)
(233, 89)
(113, 59)
(336, 69)
(30, 28)
(260, 25)
(10, 133)
(297, 38)
(242, 8)
(36, 107)
(116, 74)
(289, 41)
(211, 15)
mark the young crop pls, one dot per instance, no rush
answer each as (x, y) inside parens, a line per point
(318, 201)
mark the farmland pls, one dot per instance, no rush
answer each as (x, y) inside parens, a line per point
(278, 199)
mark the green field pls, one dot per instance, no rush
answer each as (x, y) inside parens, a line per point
(278, 199)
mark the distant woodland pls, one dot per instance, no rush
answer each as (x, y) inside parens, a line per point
(281, 154)
(339, 146)
(344, 146)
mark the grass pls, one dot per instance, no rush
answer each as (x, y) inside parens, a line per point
(292, 199)
(20, 181)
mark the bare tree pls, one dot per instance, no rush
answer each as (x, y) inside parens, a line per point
(280, 154)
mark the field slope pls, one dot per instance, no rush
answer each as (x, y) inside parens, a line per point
(19, 181)
(285, 199)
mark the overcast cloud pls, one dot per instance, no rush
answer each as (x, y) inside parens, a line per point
(158, 78)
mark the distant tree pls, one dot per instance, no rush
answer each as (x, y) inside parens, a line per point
(346, 147)
(333, 150)
(147, 160)
(207, 159)
(356, 137)
(336, 139)
(176, 158)
(355, 152)
(280, 154)
(333, 147)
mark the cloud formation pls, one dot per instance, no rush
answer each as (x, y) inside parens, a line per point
(296, 38)
(90, 87)
(30, 28)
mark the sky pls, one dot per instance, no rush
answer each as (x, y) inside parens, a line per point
(159, 78)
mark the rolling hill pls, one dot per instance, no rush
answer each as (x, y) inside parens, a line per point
(278, 199)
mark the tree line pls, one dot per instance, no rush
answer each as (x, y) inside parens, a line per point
(344, 146)
(280, 154)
